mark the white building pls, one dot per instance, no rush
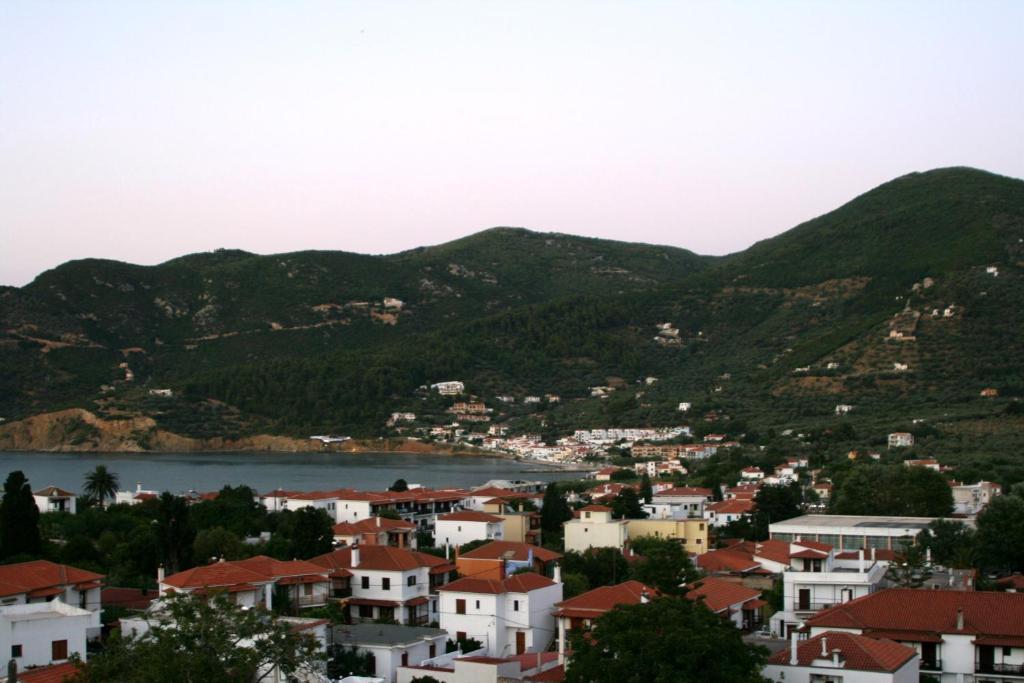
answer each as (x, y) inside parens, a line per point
(135, 497)
(969, 636)
(751, 474)
(835, 656)
(970, 499)
(386, 582)
(684, 407)
(852, 532)
(901, 440)
(594, 528)
(254, 581)
(45, 633)
(464, 526)
(40, 581)
(814, 581)
(53, 499)
(843, 408)
(449, 388)
(510, 617)
(679, 502)
(392, 645)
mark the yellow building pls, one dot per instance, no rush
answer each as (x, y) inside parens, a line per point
(692, 532)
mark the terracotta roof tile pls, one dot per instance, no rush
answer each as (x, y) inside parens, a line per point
(215, 575)
(596, 602)
(496, 550)
(380, 558)
(517, 583)
(719, 594)
(55, 673)
(469, 516)
(41, 574)
(929, 611)
(372, 525)
(859, 652)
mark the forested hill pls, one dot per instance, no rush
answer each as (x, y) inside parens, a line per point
(330, 341)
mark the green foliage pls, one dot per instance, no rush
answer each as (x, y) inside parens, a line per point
(216, 543)
(663, 565)
(236, 509)
(554, 511)
(893, 490)
(301, 534)
(775, 504)
(195, 639)
(399, 486)
(1000, 535)
(627, 505)
(466, 644)
(174, 532)
(19, 519)
(599, 566)
(909, 569)
(100, 484)
(953, 544)
(665, 640)
(349, 661)
(646, 492)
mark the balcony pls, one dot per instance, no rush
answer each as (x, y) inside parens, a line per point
(1004, 669)
(310, 600)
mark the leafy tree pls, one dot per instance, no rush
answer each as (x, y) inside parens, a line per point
(236, 508)
(909, 570)
(646, 492)
(554, 512)
(389, 513)
(623, 475)
(100, 484)
(665, 640)
(425, 679)
(573, 585)
(217, 542)
(174, 531)
(627, 505)
(775, 504)
(307, 532)
(399, 486)
(466, 644)
(893, 490)
(663, 564)
(952, 543)
(600, 566)
(350, 661)
(196, 639)
(1000, 535)
(19, 518)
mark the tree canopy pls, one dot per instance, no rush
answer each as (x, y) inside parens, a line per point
(100, 484)
(19, 518)
(894, 490)
(668, 640)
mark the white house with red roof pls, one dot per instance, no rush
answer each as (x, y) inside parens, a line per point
(53, 499)
(42, 581)
(512, 616)
(733, 601)
(846, 657)
(39, 634)
(580, 612)
(959, 635)
(464, 526)
(386, 582)
(376, 531)
(724, 512)
(253, 581)
(593, 527)
(473, 668)
(139, 495)
(479, 498)
(752, 474)
(815, 581)
(679, 502)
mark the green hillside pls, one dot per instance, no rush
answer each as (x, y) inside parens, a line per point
(774, 337)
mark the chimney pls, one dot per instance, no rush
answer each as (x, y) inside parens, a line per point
(835, 658)
(447, 552)
(793, 659)
(138, 487)
(860, 560)
(160, 574)
(378, 521)
(960, 619)
(557, 578)
(644, 597)
(355, 556)
(824, 648)
(873, 554)
(928, 556)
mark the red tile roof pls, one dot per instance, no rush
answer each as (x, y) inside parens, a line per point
(517, 583)
(215, 575)
(372, 525)
(685, 491)
(128, 598)
(380, 558)
(24, 577)
(55, 673)
(859, 652)
(727, 560)
(719, 594)
(596, 602)
(595, 508)
(519, 552)
(736, 506)
(53, 491)
(469, 516)
(929, 611)
(271, 568)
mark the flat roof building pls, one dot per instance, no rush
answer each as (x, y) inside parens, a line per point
(851, 532)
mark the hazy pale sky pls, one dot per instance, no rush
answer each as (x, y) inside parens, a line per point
(141, 131)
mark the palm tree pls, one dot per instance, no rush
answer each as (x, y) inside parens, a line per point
(100, 484)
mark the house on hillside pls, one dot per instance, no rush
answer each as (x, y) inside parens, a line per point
(464, 526)
(512, 616)
(594, 528)
(53, 499)
(391, 645)
(580, 612)
(256, 581)
(733, 601)
(901, 440)
(499, 559)
(376, 531)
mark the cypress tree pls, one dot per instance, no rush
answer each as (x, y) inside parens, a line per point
(19, 518)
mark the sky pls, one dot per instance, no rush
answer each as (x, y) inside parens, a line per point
(141, 131)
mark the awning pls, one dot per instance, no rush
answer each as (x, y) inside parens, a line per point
(416, 601)
(905, 636)
(368, 602)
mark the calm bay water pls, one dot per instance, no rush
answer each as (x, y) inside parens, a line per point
(178, 472)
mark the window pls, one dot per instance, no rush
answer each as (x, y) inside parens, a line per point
(411, 581)
(307, 589)
(478, 604)
(515, 605)
(365, 612)
(587, 514)
(405, 659)
(460, 606)
(15, 651)
(1007, 651)
(59, 650)
(365, 582)
(460, 635)
(83, 597)
(702, 526)
(386, 584)
(433, 651)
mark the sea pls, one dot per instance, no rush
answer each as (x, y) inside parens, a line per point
(182, 472)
